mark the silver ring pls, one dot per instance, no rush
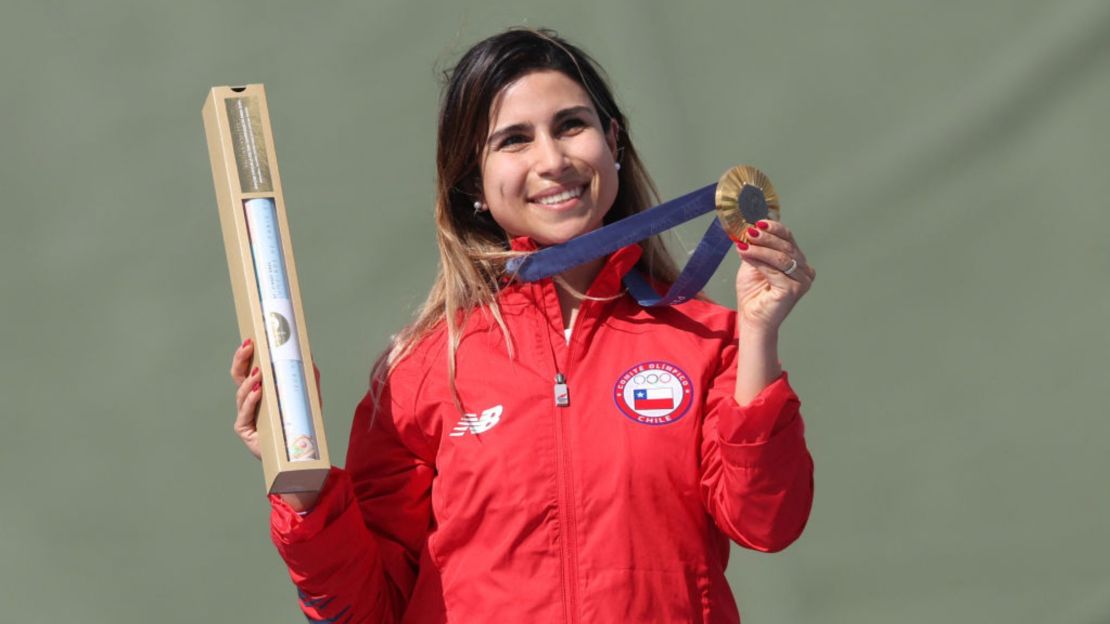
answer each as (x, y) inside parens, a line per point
(793, 267)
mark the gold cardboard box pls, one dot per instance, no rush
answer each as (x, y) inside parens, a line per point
(244, 168)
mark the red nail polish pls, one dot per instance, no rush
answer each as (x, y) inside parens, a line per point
(246, 342)
(741, 246)
(257, 385)
(754, 233)
(254, 372)
(763, 225)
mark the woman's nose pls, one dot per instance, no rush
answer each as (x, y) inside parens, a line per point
(551, 157)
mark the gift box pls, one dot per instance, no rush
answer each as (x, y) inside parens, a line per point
(265, 288)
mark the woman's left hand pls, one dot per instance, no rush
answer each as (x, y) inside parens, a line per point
(765, 293)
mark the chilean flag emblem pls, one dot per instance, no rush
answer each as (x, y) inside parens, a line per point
(652, 398)
(654, 393)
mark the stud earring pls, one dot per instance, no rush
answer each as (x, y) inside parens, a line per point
(617, 165)
(478, 208)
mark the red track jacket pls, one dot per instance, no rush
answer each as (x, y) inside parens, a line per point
(616, 507)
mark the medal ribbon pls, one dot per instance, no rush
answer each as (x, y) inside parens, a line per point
(699, 268)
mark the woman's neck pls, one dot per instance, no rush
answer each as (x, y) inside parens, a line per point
(577, 279)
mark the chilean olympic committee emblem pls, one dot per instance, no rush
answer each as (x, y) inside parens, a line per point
(654, 393)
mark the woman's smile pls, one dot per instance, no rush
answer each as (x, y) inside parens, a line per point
(559, 197)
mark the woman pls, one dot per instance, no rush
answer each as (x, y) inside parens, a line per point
(551, 451)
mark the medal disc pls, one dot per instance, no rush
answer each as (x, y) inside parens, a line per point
(745, 195)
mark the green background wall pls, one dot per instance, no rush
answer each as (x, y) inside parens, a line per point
(943, 163)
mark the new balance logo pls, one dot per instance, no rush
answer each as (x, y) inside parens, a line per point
(474, 423)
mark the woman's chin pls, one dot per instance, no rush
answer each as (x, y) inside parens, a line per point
(564, 230)
(558, 236)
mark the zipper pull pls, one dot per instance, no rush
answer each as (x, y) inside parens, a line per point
(562, 395)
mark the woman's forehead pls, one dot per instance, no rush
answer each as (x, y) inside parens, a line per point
(536, 96)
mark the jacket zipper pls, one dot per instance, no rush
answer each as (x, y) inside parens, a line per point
(564, 476)
(562, 394)
(570, 529)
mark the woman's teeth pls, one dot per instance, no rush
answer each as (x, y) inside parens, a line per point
(551, 200)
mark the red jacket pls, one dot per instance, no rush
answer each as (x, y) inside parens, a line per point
(617, 507)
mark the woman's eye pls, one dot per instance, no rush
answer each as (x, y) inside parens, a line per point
(573, 124)
(512, 140)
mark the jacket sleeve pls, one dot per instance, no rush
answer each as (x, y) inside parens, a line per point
(354, 556)
(757, 474)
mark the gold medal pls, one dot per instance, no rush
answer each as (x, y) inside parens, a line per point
(745, 195)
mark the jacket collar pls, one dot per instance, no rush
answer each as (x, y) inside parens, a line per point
(608, 280)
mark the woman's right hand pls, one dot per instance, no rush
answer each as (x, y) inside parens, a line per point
(247, 396)
(246, 415)
(249, 393)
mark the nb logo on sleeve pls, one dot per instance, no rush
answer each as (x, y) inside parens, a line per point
(478, 423)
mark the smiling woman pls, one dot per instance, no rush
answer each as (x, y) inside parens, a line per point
(549, 170)
(551, 451)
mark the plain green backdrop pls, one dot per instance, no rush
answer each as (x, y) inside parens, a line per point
(944, 165)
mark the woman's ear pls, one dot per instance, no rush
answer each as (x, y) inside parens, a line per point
(611, 137)
(472, 186)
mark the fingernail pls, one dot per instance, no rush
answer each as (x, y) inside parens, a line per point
(257, 385)
(246, 342)
(763, 225)
(254, 372)
(741, 246)
(754, 233)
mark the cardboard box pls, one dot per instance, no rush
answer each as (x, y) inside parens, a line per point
(265, 287)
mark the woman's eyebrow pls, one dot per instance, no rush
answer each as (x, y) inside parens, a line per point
(573, 110)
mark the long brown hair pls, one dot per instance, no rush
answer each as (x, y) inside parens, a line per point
(472, 247)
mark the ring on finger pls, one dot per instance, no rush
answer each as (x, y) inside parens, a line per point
(790, 269)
